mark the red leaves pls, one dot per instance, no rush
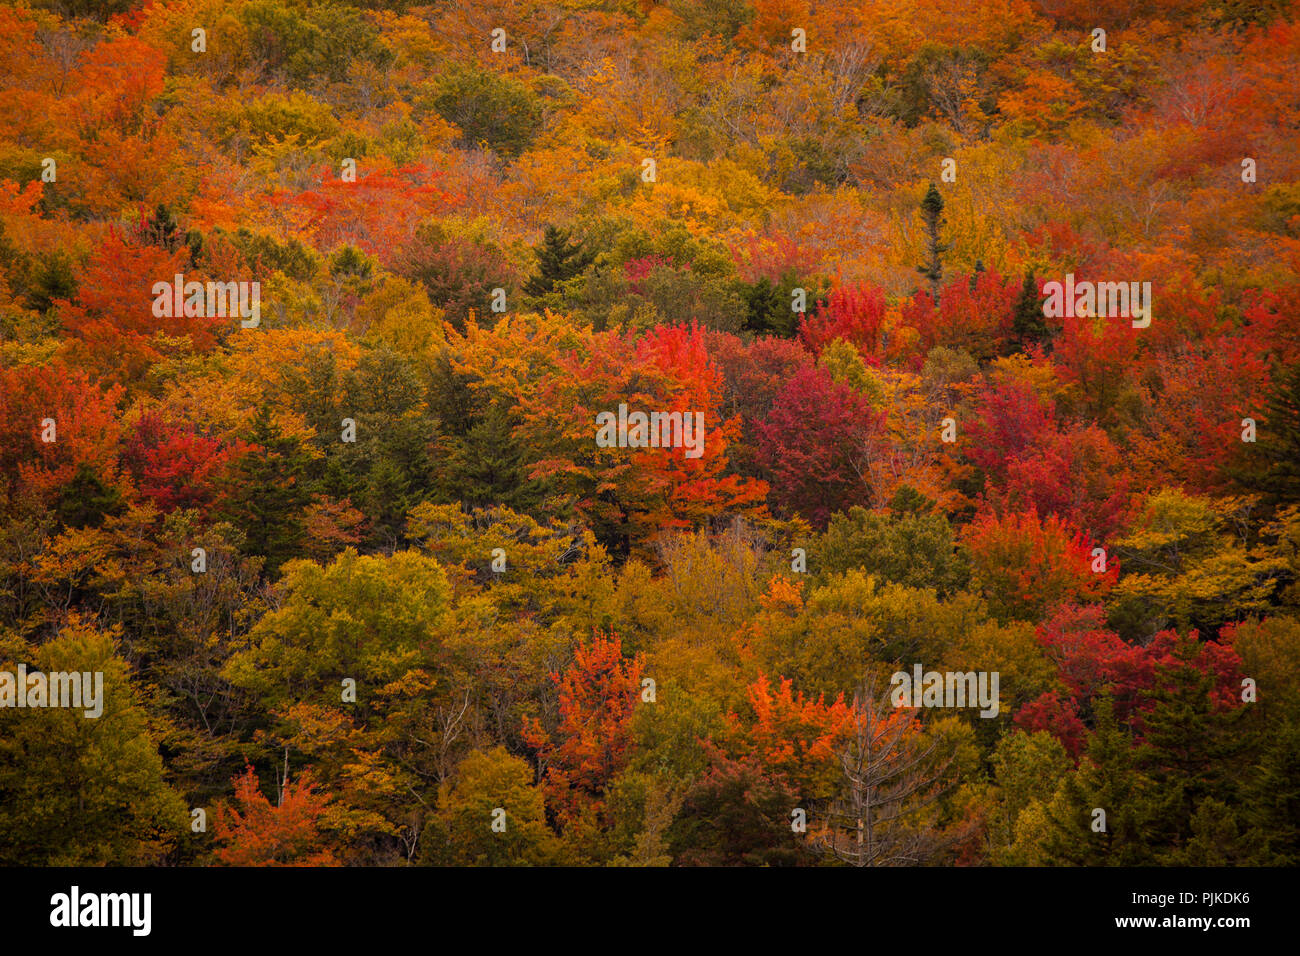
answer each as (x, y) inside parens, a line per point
(1193, 420)
(1009, 419)
(854, 313)
(1093, 661)
(1058, 716)
(636, 270)
(754, 372)
(1076, 474)
(973, 313)
(1025, 565)
(641, 491)
(1100, 357)
(174, 466)
(112, 319)
(812, 445)
(1082, 649)
(377, 213)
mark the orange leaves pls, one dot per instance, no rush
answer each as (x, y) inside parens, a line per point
(24, 72)
(117, 79)
(20, 218)
(631, 494)
(792, 735)
(1025, 565)
(1192, 422)
(16, 200)
(112, 320)
(255, 833)
(769, 31)
(782, 596)
(699, 487)
(1044, 102)
(376, 213)
(85, 429)
(598, 693)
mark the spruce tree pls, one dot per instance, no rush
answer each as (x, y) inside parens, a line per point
(763, 309)
(53, 277)
(932, 216)
(161, 229)
(558, 260)
(1107, 779)
(267, 495)
(86, 499)
(1271, 801)
(1194, 751)
(487, 466)
(1216, 838)
(1273, 467)
(1027, 324)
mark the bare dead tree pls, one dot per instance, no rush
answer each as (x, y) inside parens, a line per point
(954, 86)
(450, 725)
(891, 773)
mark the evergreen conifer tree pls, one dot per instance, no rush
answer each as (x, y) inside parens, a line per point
(558, 260)
(932, 216)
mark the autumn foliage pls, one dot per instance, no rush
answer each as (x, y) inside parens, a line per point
(371, 580)
(253, 832)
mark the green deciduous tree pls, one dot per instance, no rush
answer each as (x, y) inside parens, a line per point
(77, 790)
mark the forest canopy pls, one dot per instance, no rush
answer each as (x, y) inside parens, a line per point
(324, 330)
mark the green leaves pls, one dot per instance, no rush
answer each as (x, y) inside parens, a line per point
(79, 791)
(369, 618)
(497, 111)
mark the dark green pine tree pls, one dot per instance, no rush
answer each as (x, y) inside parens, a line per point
(53, 276)
(487, 466)
(391, 455)
(1216, 838)
(769, 305)
(763, 308)
(1271, 804)
(1272, 464)
(479, 461)
(1193, 751)
(161, 229)
(1027, 324)
(1109, 779)
(267, 495)
(932, 216)
(385, 501)
(558, 260)
(85, 500)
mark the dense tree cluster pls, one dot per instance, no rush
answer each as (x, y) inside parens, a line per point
(365, 588)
